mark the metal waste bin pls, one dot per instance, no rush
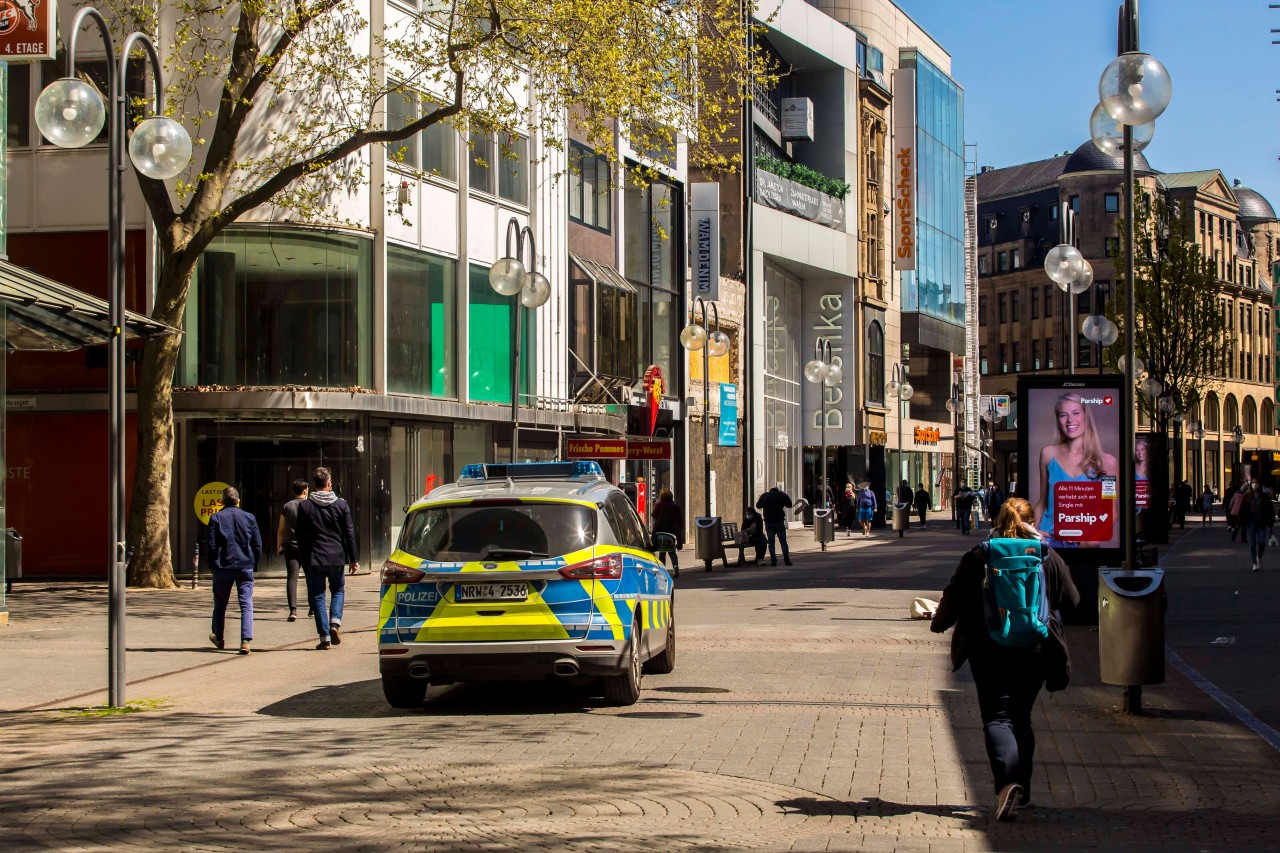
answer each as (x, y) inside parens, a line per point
(824, 526)
(706, 538)
(1131, 606)
(12, 556)
(901, 518)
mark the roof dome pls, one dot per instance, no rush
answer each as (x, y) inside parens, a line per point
(1088, 158)
(1252, 204)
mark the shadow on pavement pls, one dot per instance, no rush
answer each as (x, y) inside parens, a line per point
(363, 699)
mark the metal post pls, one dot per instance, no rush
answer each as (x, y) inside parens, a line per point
(515, 389)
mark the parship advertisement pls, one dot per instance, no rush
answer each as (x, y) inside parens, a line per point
(1073, 456)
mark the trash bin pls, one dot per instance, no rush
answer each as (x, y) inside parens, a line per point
(706, 538)
(901, 517)
(824, 526)
(12, 556)
(1131, 606)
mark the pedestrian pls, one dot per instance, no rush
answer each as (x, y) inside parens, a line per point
(922, 504)
(1257, 517)
(287, 545)
(1182, 494)
(327, 542)
(1206, 507)
(667, 518)
(773, 505)
(753, 533)
(965, 500)
(867, 507)
(850, 511)
(235, 546)
(905, 495)
(1008, 678)
(1232, 502)
(995, 499)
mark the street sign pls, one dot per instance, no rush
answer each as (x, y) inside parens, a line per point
(728, 415)
(28, 30)
(595, 448)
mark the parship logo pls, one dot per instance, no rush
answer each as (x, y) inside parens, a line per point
(1097, 401)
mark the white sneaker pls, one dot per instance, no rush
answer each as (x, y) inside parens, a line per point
(1257, 567)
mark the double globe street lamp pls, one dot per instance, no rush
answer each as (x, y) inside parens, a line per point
(901, 389)
(824, 372)
(70, 114)
(511, 275)
(705, 337)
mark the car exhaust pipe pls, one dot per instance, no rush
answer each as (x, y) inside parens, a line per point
(419, 670)
(565, 667)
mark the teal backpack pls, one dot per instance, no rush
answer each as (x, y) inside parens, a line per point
(1014, 594)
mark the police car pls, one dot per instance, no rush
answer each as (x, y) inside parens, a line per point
(525, 571)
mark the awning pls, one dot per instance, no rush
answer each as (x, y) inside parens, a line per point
(602, 273)
(42, 314)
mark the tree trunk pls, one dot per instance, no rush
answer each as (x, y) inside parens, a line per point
(149, 524)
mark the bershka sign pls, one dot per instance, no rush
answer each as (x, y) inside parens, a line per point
(28, 30)
(704, 239)
(827, 315)
(904, 169)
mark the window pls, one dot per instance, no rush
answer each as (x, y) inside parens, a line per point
(1015, 259)
(653, 257)
(490, 332)
(1004, 262)
(1014, 313)
(433, 150)
(420, 323)
(1035, 355)
(1004, 304)
(982, 310)
(626, 524)
(1202, 222)
(1074, 201)
(982, 360)
(1083, 302)
(589, 187)
(1017, 356)
(875, 363)
(18, 105)
(1048, 353)
(280, 307)
(1035, 303)
(1084, 357)
(513, 173)
(1004, 359)
(982, 264)
(1113, 247)
(1053, 212)
(602, 315)
(467, 533)
(1048, 300)
(479, 162)
(1111, 202)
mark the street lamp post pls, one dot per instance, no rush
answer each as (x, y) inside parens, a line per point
(824, 373)
(695, 337)
(1237, 436)
(509, 276)
(900, 387)
(990, 415)
(70, 113)
(955, 405)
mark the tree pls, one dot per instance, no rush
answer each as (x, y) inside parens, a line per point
(1179, 325)
(285, 96)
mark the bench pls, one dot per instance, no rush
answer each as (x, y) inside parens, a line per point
(728, 540)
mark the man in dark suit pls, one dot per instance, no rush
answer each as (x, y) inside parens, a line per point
(235, 545)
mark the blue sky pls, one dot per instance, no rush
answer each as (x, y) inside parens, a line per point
(1030, 71)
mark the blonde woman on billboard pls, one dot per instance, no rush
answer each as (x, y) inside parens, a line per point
(1077, 455)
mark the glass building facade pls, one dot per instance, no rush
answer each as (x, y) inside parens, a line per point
(936, 287)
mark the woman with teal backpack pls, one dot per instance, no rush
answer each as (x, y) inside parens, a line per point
(1003, 602)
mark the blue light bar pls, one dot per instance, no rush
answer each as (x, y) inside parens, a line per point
(580, 470)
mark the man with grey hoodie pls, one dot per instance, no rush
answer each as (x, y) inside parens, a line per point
(327, 543)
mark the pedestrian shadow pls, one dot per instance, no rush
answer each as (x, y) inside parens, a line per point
(363, 699)
(874, 807)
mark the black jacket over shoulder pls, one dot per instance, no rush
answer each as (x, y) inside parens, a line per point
(961, 606)
(326, 534)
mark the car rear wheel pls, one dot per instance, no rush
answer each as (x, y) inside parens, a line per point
(665, 662)
(404, 692)
(624, 688)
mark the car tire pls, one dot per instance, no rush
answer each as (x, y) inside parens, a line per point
(665, 662)
(624, 688)
(404, 692)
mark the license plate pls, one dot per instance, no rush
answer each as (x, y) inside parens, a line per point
(490, 592)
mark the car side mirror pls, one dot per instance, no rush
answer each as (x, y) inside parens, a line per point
(664, 542)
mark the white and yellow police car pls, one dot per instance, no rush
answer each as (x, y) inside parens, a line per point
(525, 571)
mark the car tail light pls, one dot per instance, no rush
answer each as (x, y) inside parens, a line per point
(393, 572)
(608, 567)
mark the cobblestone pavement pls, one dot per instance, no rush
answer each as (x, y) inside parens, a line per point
(806, 712)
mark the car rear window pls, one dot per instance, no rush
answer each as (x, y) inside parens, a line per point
(445, 534)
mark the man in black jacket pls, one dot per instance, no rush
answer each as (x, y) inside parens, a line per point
(773, 505)
(326, 543)
(235, 545)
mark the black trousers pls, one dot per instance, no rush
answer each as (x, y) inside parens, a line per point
(1008, 682)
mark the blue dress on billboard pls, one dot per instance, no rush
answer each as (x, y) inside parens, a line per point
(1057, 474)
